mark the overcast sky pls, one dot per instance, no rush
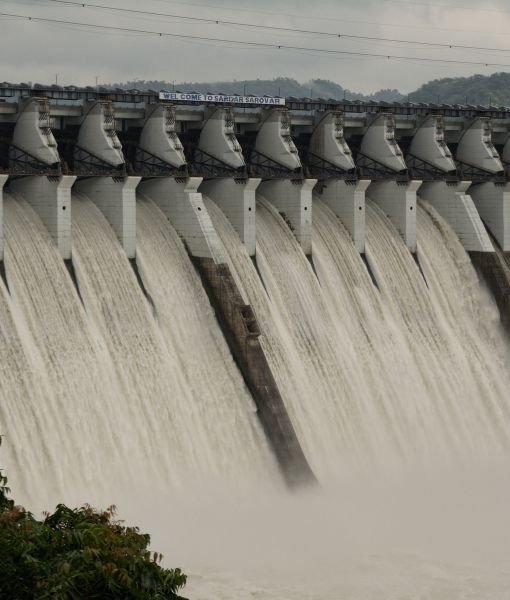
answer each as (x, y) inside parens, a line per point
(33, 51)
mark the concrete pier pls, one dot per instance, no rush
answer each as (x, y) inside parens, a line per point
(116, 199)
(182, 204)
(398, 201)
(347, 200)
(50, 197)
(492, 201)
(458, 209)
(236, 198)
(293, 200)
(330, 160)
(381, 158)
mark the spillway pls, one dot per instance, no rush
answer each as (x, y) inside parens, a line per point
(76, 385)
(107, 388)
(236, 443)
(200, 431)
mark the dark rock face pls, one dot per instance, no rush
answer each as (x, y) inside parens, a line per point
(494, 267)
(241, 331)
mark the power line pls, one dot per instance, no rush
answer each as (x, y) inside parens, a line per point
(252, 44)
(277, 28)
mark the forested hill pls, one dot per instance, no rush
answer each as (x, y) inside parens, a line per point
(478, 89)
(281, 86)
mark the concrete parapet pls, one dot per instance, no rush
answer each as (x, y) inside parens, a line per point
(242, 334)
(398, 201)
(116, 199)
(183, 206)
(236, 198)
(347, 200)
(293, 200)
(492, 200)
(50, 197)
(458, 209)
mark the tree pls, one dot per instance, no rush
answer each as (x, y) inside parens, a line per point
(78, 554)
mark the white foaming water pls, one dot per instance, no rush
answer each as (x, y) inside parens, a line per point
(65, 362)
(298, 340)
(429, 521)
(186, 431)
(456, 359)
(398, 393)
(236, 445)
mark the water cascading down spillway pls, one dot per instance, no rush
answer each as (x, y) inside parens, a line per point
(180, 201)
(380, 158)
(275, 158)
(330, 160)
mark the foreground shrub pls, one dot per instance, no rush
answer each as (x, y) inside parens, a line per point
(78, 554)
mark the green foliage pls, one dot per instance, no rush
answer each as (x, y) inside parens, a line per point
(76, 554)
(478, 89)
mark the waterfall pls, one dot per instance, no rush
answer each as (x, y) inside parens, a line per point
(220, 403)
(76, 391)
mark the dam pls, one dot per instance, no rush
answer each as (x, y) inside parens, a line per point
(215, 296)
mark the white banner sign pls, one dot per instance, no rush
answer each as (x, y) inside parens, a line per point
(219, 98)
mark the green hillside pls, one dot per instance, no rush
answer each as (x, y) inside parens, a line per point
(478, 89)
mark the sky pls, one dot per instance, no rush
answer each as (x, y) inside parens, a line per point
(71, 54)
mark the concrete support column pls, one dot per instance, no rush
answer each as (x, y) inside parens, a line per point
(50, 197)
(293, 199)
(182, 204)
(236, 198)
(492, 201)
(116, 199)
(398, 201)
(3, 179)
(347, 200)
(459, 210)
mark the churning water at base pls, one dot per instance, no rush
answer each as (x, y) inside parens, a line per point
(397, 393)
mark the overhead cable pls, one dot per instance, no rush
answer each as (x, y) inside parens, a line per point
(242, 43)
